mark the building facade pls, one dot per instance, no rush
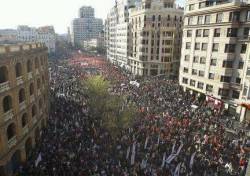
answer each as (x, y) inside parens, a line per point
(23, 102)
(116, 33)
(155, 32)
(215, 53)
(45, 34)
(86, 26)
(8, 36)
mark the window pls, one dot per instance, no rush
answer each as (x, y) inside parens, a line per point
(238, 80)
(246, 31)
(217, 32)
(213, 62)
(189, 33)
(190, 20)
(248, 71)
(248, 16)
(226, 79)
(18, 70)
(232, 32)
(21, 95)
(187, 57)
(24, 119)
(223, 92)
(200, 19)
(33, 111)
(7, 104)
(194, 72)
(153, 18)
(204, 47)
(230, 48)
(243, 48)
(198, 33)
(215, 47)
(197, 46)
(191, 7)
(185, 81)
(240, 65)
(201, 73)
(3, 74)
(196, 59)
(227, 64)
(207, 19)
(192, 83)
(219, 17)
(205, 32)
(235, 94)
(209, 88)
(188, 45)
(185, 70)
(11, 131)
(200, 85)
(234, 16)
(202, 60)
(211, 76)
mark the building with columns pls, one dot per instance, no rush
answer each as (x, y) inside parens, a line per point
(215, 54)
(23, 102)
(154, 41)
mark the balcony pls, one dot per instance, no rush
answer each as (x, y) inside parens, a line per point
(22, 106)
(12, 142)
(19, 80)
(8, 115)
(32, 98)
(30, 76)
(4, 86)
(25, 130)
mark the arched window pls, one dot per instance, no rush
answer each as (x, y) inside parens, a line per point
(18, 70)
(24, 119)
(21, 95)
(29, 66)
(36, 63)
(31, 89)
(11, 131)
(33, 111)
(7, 104)
(3, 74)
(38, 83)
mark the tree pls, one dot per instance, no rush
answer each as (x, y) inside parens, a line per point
(115, 114)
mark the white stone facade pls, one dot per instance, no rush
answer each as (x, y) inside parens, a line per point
(215, 51)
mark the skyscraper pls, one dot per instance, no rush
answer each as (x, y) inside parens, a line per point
(86, 26)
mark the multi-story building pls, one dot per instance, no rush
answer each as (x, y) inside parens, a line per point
(155, 32)
(86, 26)
(45, 34)
(215, 53)
(8, 36)
(116, 33)
(23, 102)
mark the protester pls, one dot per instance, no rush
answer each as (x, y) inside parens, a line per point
(169, 138)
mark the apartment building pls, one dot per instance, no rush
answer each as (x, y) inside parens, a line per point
(116, 33)
(215, 53)
(23, 102)
(155, 32)
(44, 34)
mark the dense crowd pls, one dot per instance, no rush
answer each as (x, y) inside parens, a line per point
(169, 138)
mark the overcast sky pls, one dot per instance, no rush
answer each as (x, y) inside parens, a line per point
(58, 13)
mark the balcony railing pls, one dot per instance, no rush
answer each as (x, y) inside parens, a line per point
(30, 75)
(32, 98)
(12, 142)
(4, 86)
(8, 115)
(25, 130)
(19, 80)
(22, 106)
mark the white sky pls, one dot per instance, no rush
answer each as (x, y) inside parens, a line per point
(58, 13)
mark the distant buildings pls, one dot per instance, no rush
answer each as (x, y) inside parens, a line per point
(144, 36)
(23, 102)
(86, 26)
(8, 36)
(44, 34)
(215, 54)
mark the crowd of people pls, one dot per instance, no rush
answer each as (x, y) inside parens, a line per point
(169, 137)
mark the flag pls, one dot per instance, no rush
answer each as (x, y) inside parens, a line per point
(38, 160)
